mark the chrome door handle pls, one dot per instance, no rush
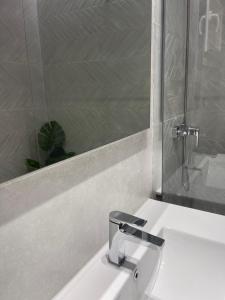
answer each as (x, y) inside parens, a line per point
(194, 132)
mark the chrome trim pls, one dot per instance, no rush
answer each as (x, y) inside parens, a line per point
(121, 231)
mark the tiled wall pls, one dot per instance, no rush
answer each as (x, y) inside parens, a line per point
(206, 90)
(53, 221)
(206, 103)
(22, 106)
(174, 88)
(88, 59)
(205, 107)
(96, 58)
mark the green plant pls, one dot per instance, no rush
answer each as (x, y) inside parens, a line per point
(51, 139)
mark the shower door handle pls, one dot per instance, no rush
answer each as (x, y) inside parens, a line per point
(194, 132)
(203, 18)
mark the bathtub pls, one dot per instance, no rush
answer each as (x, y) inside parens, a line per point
(190, 266)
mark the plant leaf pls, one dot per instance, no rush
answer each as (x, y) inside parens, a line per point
(32, 165)
(70, 154)
(58, 154)
(51, 136)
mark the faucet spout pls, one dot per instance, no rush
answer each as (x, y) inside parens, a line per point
(121, 229)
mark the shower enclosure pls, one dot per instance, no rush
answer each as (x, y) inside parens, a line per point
(193, 104)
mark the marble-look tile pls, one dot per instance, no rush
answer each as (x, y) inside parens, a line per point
(15, 121)
(80, 94)
(31, 30)
(93, 22)
(12, 35)
(117, 118)
(21, 86)
(15, 89)
(173, 94)
(172, 151)
(103, 80)
(211, 140)
(174, 76)
(47, 7)
(38, 87)
(176, 17)
(174, 58)
(205, 106)
(194, 58)
(18, 140)
(115, 30)
(22, 113)
(15, 148)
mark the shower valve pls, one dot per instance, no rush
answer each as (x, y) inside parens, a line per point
(179, 131)
(183, 131)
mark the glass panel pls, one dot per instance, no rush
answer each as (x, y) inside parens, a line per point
(175, 24)
(194, 160)
(206, 105)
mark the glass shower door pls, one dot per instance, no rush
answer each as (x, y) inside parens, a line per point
(173, 94)
(205, 107)
(199, 147)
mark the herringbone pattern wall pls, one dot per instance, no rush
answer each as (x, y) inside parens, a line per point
(22, 107)
(85, 64)
(96, 58)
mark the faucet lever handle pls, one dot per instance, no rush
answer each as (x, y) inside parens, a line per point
(119, 217)
(142, 235)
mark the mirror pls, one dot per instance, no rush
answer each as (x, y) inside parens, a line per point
(75, 75)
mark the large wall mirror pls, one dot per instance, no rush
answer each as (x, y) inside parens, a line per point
(75, 75)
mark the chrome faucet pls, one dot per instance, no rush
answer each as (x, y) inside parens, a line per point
(120, 231)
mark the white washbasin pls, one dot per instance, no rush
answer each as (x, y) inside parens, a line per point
(143, 277)
(187, 268)
(192, 268)
(190, 265)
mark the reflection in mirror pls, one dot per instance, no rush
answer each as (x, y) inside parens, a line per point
(74, 76)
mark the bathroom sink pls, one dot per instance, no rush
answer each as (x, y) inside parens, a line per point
(188, 268)
(191, 268)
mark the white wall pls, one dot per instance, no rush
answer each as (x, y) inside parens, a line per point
(156, 115)
(54, 220)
